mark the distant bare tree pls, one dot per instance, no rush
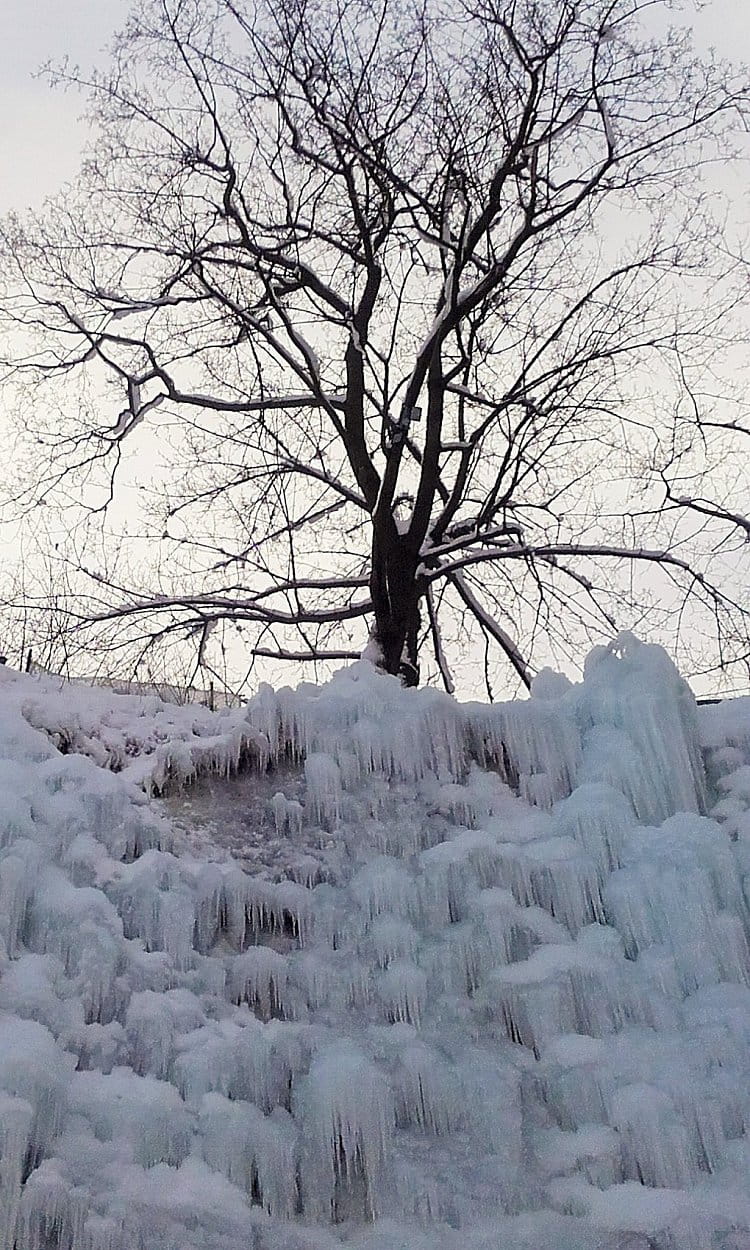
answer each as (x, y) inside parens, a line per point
(392, 281)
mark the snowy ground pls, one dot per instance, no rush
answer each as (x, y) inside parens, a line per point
(420, 975)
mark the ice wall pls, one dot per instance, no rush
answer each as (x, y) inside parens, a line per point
(482, 980)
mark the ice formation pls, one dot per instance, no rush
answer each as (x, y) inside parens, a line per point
(471, 977)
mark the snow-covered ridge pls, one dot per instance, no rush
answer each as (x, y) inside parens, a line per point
(455, 1012)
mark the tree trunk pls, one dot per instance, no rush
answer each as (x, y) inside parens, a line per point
(396, 593)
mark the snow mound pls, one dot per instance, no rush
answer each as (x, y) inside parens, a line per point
(400, 973)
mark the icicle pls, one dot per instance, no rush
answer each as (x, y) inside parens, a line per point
(659, 967)
(384, 886)
(564, 881)
(207, 1059)
(16, 1117)
(554, 874)
(428, 1095)
(457, 964)
(323, 789)
(567, 989)
(100, 1046)
(676, 883)
(254, 1151)
(575, 1081)
(635, 688)
(347, 1116)
(307, 871)
(16, 819)
(147, 1114)
(448, 874)
(611, 760)
(293, 911)
(598, 817)
(318, 979)
(287, 814)
(260, 978)
(402, 989)
(393, 940)
(19, 870)
(512, 931)
(456, 802)
(359, 984)
(263, 714)
(228, 991)
(35, 1069)
(499, 932)
(534, 740)
(657, 1148)
(482, 852)
(732, 951)
(335, 918)
(209, 895)
(151, 1034)
(157, 904)
(51, 1212)
(232, 906)
(278, 806)
(534, 998)
(153, 1024)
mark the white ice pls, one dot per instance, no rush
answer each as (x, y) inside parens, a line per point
(426, 975)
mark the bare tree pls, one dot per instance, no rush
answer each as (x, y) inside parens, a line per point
(391, 281)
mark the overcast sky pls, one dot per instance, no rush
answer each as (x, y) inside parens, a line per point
(40, 135)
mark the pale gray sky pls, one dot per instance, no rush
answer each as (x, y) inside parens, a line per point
(40, 135)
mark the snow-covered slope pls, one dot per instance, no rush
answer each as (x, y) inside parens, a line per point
(471, 977)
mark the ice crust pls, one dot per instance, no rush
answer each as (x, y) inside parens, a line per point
(471, 977)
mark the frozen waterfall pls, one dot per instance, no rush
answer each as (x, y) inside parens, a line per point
(471, 977)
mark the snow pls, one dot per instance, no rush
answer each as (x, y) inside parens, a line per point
(377, 969)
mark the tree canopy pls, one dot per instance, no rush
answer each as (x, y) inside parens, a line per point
(410, 300)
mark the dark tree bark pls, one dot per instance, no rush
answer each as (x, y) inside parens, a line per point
(395, 591)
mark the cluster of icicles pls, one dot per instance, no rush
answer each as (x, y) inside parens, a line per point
(520, 1010)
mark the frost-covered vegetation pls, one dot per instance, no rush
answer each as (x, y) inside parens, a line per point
(473, 976)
